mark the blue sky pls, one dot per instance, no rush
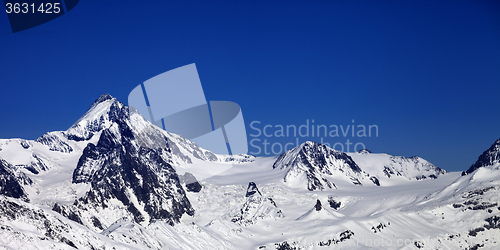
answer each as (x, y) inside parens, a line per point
(427, 73)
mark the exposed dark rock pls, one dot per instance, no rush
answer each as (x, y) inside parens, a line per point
(252, 189)
(97, 223)
(11, 183)
(422, 177)
(379, 227)
(476, 205)
(104, 97)
(54, 143)
(192, 184)
(256, 207)
(488, 158)
(477, 192)
(493, 222)
(375, 180)
(25, 144)
(474, 232)
(475, 247)
(85, 131)
(36, 165)
(388, 172)
(148, 176)
(333, 204)
(318, 205)
(418, 244)
(72, 215)
(121, 165)
(194, 187)
(284, 246)
(342, 237)
(483, 206)
(364, 151)
(51, 227)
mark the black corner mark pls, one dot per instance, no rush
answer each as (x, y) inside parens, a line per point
(26, 14)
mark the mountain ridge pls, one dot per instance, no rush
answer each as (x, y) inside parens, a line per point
(488, 158)
(114, 180)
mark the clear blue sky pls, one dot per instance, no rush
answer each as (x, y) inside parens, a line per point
(427, 73)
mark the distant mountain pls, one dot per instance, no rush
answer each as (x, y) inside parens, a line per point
(312, 163)
(384, 166)
(318, 167)
(490, 158)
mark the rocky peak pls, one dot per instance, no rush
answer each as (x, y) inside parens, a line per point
(136, 171)
(315, 162)
(102, 98)
(252, 190)
(364, 151)
(490, 157)
(256, 207)
(101, 115)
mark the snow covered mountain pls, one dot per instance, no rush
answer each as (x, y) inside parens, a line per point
(489, 159)
(313, 163)
(384, 166)
(111, 163)
(321, 167)
(115, 181)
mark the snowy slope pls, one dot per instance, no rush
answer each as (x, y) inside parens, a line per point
(390, 169)
(115, 181)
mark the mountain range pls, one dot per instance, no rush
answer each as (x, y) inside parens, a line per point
(113, 180)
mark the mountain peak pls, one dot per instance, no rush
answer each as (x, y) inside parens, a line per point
(315, 162)
(102, 98)
(364, 151)
(489, 157)
(310, 144)
(252, 189)
(256, 207)
(103, 112)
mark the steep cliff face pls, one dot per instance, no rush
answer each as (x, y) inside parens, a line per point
(489, 159)
(131, 163)
(11, 181)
